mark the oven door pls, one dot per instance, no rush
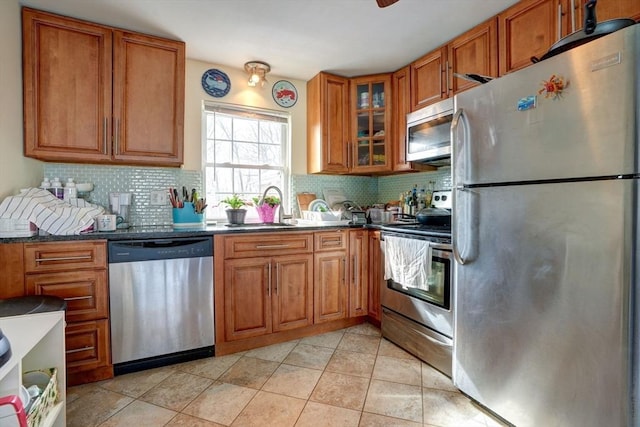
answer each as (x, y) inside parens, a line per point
(430, 305)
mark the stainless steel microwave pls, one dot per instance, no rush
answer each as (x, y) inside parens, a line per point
(429, 134)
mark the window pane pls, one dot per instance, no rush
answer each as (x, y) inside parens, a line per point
(246, 154)
(271, 154)
(224, 179)
(245, 130)
(224, 128)
(222, 151)
(271, 133)
(271, 177)
(246, 181)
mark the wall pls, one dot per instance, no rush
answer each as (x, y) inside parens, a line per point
(241, 94)
(17, 170)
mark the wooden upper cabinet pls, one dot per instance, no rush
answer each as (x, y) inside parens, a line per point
(148, 99)
(474, 52)
(401, 96)
(607, 9)
(370, 124)
(96, 94)
(327, 124)
(528, 29)
(428, 79)
(67, 88)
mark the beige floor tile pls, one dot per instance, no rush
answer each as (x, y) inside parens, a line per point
(432, 378)
(309, 356)
(387, 348)
(140, 413)
(394, 400)
(78, 391)
(138, 383)
(249, 372)
(321, 415)
(274, 353)
(364, 329)
(177, 391)
(375, 420)
(94, 406)
(403, 371)
(183, 420)
(447, 409)
(293, 381)
(360, 343)
(220, 403)
(329, 340)
(269, 409)
(210, 367)
(346, 391)
(351, 363)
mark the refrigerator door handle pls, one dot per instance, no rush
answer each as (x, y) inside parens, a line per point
(454, 227)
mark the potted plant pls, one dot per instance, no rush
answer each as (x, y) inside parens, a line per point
(235, 212)
(266, 207)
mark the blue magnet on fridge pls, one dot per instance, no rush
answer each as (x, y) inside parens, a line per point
(527, 103)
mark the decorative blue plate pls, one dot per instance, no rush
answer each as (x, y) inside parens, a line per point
(284, 93)
(216, 83)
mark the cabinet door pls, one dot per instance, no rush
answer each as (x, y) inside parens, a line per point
(148, 96)
(67, 88)
(292, 291)
(87, 346)
(358, 273)
(247, 298)
(84, 291)
(428, 79)
(475, 51)
(327, 124)
(376, 277)
(527, 29)
(329, 292)
(371, 124)
(12, 267)
(400, 106)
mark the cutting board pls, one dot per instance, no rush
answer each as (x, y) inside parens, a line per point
(303, 201)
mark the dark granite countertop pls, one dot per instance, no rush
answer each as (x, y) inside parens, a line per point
(163, 232)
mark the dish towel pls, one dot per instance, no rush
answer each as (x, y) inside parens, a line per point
(407, 261)
(49, 213)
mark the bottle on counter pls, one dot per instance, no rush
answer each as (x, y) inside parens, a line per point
(70, 190)
(56, 188)
(45, 184)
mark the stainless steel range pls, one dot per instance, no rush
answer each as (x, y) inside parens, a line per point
(417, 299)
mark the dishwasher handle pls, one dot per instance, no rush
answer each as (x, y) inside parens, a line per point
(159, 249)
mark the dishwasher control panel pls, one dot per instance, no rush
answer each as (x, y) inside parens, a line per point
(159, 249)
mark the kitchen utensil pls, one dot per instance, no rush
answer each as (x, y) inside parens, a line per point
(319, 205)
(433, 216)
(106, 222)
(591, 31)
(303, 201)
(119, 205)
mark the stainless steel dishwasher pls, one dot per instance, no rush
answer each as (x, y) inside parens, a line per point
(161, 301)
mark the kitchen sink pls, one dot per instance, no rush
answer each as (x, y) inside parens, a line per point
(261, 225)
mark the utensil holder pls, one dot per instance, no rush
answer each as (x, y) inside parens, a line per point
(186, 216)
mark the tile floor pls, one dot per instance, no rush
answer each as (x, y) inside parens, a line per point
(351, 377)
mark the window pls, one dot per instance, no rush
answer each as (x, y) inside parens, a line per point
(245, 151)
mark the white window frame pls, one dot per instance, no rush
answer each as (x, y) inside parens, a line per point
(213, 198)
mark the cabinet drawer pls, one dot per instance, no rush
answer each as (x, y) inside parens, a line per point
(87, 345)
(330, 240)
(64, 256)
(84, 291)
(267, 244)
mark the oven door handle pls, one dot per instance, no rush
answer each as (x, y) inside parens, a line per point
(433, 339)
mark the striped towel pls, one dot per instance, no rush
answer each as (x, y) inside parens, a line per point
(50, 213)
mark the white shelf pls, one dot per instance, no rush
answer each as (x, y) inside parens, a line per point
(37, 342)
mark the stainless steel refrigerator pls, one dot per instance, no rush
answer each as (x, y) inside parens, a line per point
(545, 233)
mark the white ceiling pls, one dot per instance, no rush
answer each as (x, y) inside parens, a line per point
(298, 38)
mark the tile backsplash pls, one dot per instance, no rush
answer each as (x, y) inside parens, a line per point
(141, 181)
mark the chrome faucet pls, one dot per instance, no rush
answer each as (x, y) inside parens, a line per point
(281, 214)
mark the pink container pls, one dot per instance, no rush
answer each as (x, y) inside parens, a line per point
(266, 213)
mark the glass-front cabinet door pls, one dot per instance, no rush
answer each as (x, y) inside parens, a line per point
(371, 124)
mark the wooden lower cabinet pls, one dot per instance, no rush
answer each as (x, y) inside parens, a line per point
(76, 271)
(376, 275)
(330, 289)
(264, 295)
(358, 272)
(12, 268)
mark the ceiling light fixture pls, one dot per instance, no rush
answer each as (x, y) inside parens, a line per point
(257, 71)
